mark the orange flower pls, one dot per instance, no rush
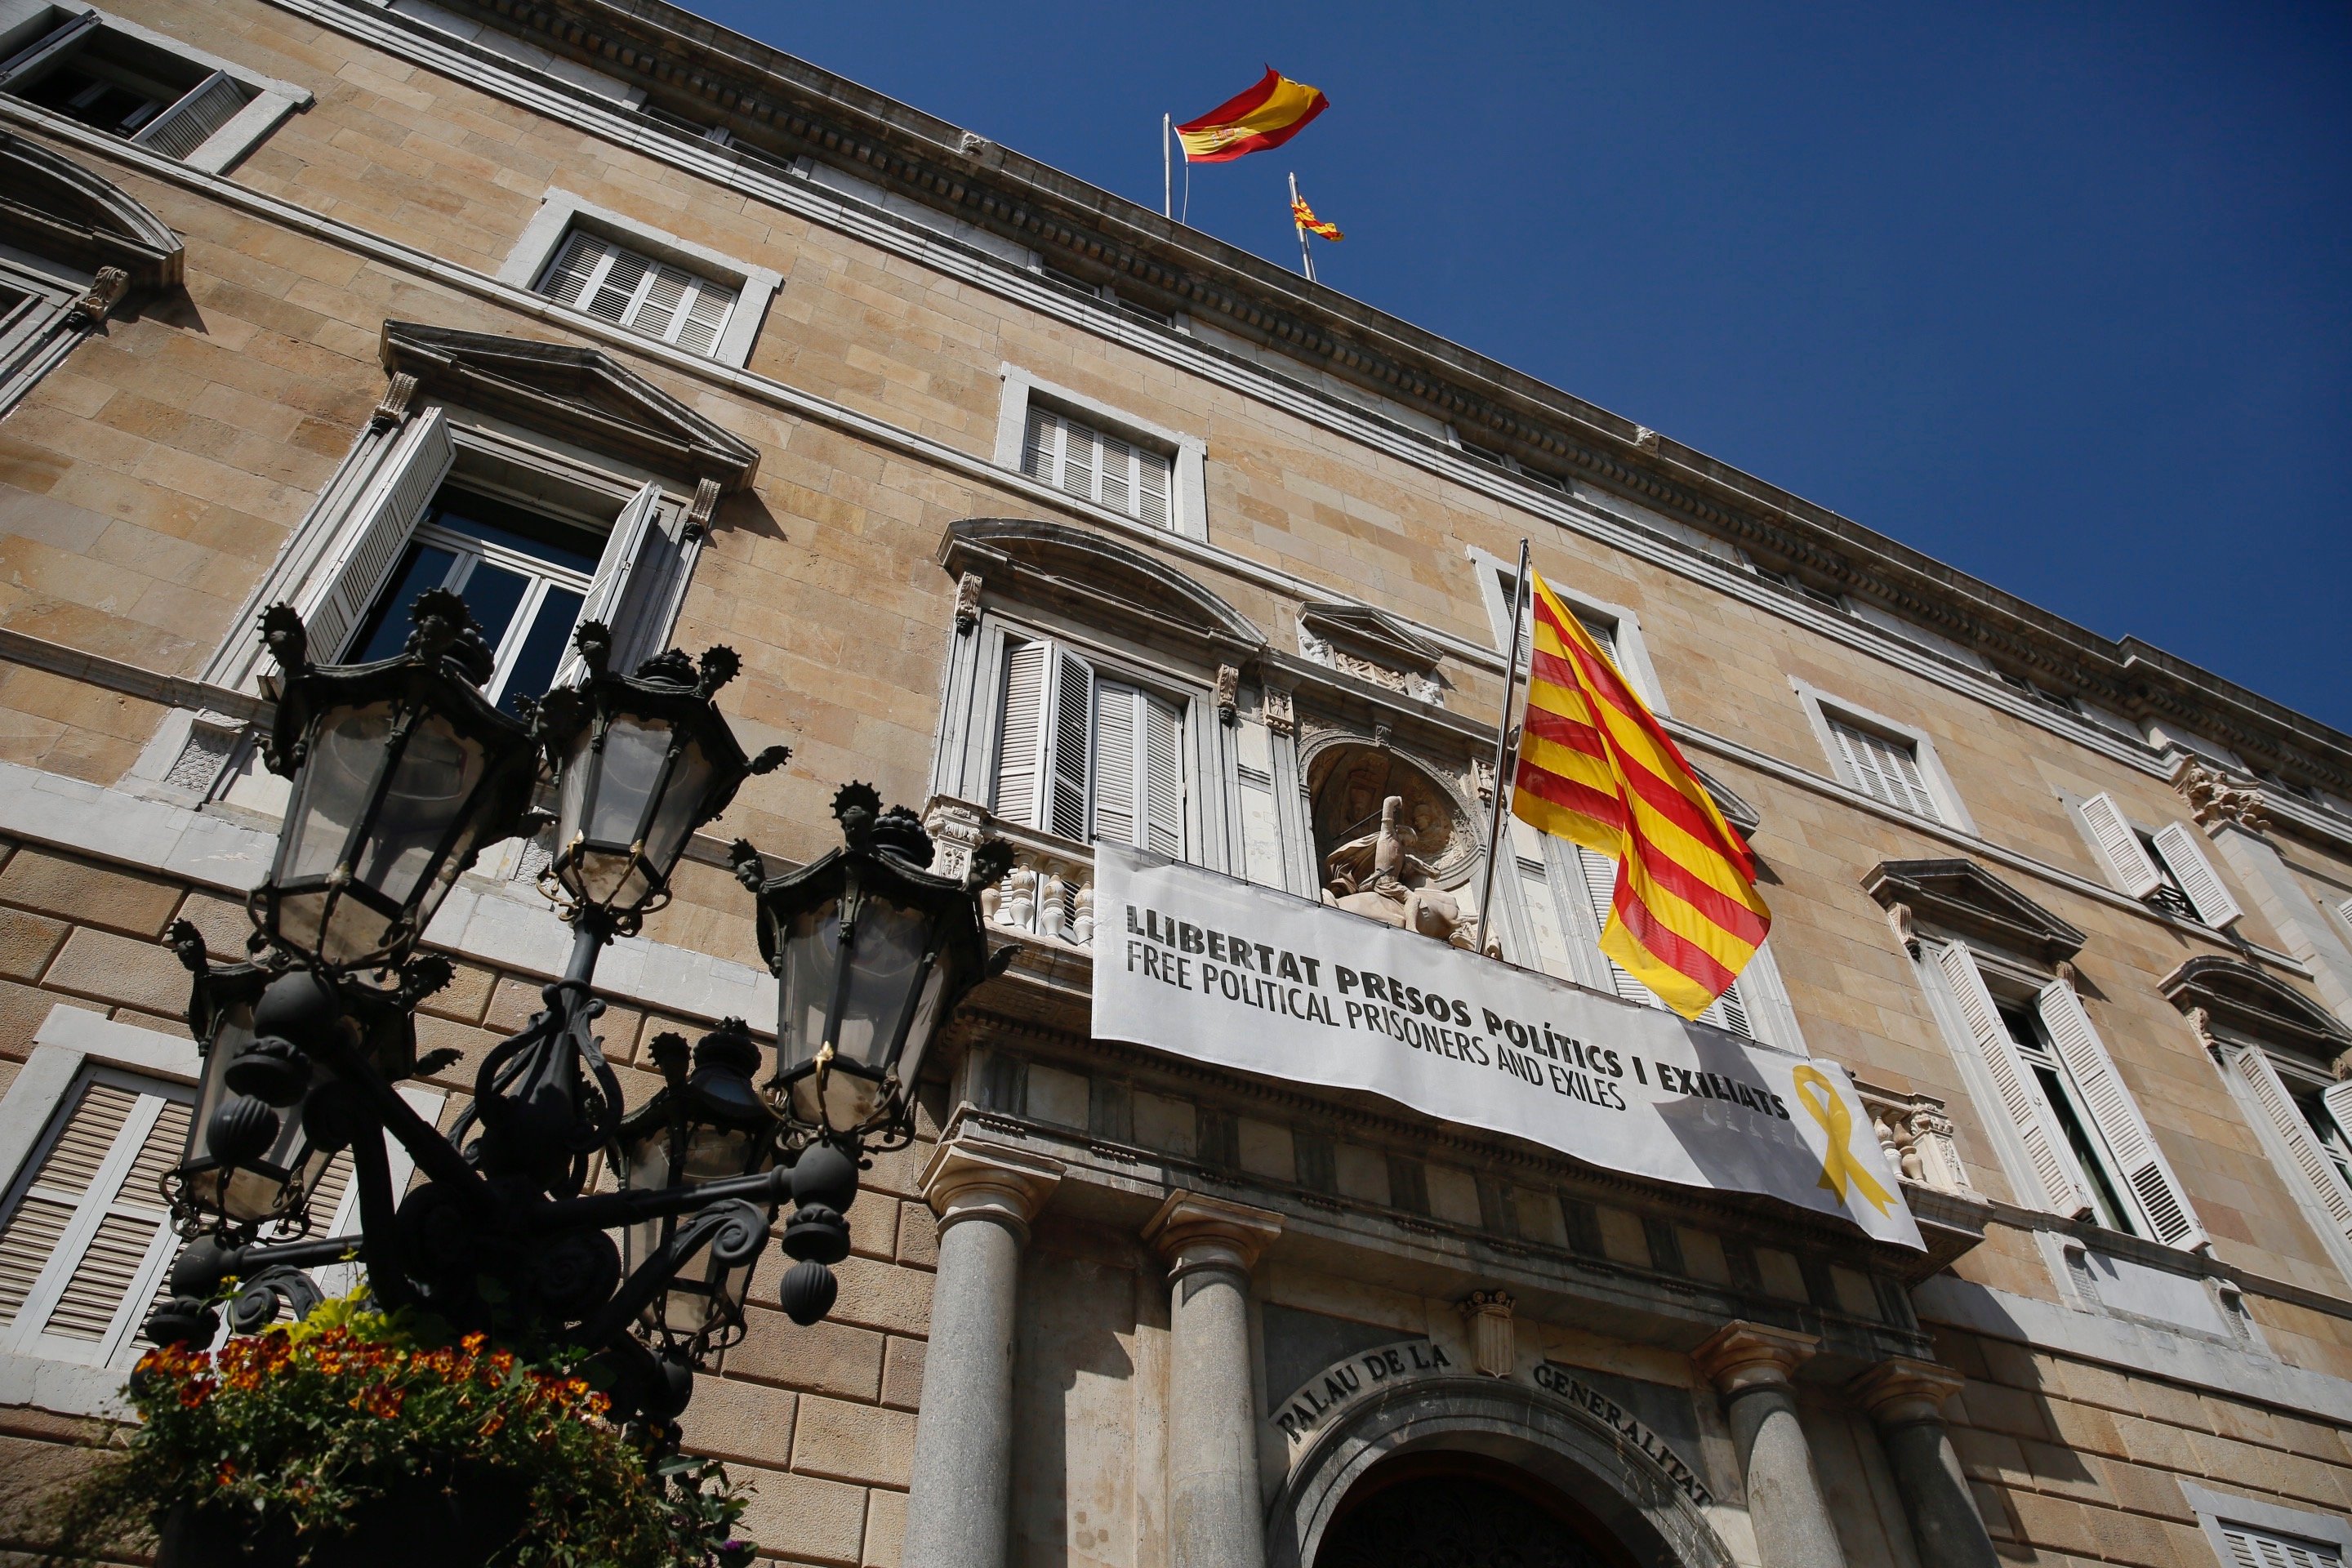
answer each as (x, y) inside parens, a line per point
(226, 1474)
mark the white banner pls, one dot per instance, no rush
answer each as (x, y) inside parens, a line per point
(1228, 972)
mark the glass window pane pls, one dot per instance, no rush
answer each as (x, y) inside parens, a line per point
(561, 544)
(385, 631)
(492, 593)
(542, 648)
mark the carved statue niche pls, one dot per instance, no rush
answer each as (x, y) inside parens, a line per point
(1390, 839)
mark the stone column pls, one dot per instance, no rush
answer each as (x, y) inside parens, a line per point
(1215, 1507)
(959, 1512)
(1905, 1399)
(1750, 1366)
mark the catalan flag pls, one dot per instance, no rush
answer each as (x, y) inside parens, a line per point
(1268, 115)
(1304, 217)
(1595, 766)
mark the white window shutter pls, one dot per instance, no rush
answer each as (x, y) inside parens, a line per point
(1041, 446)
(2064, 1189)
(2250, 1547)
(83, 1251)
(381, 519)
(706, 316)
(608, 589)
(2285, 1117)
(1600, 888)
(1164, 776)
(1730, 1012)
(1020, 732)
(1154, 481)
(189, 124)
(2118, 1119)
(1543, 916)
(578, 263)
(1117, 473)
(1068, 750)
(2337, 1100)
(2126, 858)
(1116, 771)
(2207, 894)
(616, 294)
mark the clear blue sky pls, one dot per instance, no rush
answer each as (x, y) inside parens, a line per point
(2057, 294)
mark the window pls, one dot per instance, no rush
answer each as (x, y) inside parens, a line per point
(1095, 466)
(86, 1236)
(2305, 1114)
(1617, 629)
(1884, 768)
(2252, 1548)
(1598, 875)
(2083, 1141)
(524, 576)
(616, 284)
(120, 79)
(2166, 868)
(1085, 757)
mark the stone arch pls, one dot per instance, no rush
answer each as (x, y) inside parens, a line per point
(1657, 1525)
(53, 207)
(1327, 761)
(1100, 578)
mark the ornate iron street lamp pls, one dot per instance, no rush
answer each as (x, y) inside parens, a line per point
(402, 772)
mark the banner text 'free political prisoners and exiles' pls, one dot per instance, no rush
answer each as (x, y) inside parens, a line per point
(1226, 972)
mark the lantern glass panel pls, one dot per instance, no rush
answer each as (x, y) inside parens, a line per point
(431, 785)
(633, 749)
(681, 804)
(711, 1152)
(884, 966)
(338, 779)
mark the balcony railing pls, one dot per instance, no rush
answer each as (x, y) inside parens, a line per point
(1917, 1134)
(1049, 893)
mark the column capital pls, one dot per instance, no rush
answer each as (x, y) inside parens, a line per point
(1193, 1230)
(1901, 1390)
(966, 1179)
(1740, 1357)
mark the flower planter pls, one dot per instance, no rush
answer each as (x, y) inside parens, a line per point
(421, 1525)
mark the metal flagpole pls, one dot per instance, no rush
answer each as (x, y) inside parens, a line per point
(1167, 167)
(1505, 746)
(1306, 256)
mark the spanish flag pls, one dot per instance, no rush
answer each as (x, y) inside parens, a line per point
(1595, 766)
(1268, 115)
(1304, 217)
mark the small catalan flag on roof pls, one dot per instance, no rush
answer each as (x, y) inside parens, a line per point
(1304, 217)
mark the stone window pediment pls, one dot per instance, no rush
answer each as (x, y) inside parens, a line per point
(2243, 1000)
(580, 395)
(51, 206)
(1358, 640)
(1104, 584)
(1961, 896)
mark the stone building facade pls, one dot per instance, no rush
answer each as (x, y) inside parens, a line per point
(1066, 524)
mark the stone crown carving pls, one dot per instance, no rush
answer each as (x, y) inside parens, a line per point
(2213, 798)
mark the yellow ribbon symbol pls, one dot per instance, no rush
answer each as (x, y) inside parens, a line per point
(1838, 1166)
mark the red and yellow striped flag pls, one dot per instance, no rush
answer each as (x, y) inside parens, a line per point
(1304, 217)
(1268, 115)
(1596, 766)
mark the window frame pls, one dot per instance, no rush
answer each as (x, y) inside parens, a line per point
(1633, 650)
(267, 101)
(563, 213)
(2159, 867)
(2217, 1510)
(1821, 709)
(2258, 1076)
(1188, 514)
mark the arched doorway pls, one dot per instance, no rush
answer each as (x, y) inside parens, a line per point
(1449, 1510)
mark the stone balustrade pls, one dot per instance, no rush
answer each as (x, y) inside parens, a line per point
(1049, 893)
(1916, 1134)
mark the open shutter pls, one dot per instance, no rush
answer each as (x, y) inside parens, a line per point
(2120, 1125)
(380, 524)
(2285, 1117)
(2126, 860)
(189, 123)
(1600, 888)
(2063, 1186)
(1730, 1012)
(87, 1242)
(51, 46)
(638, 525)
(1020, 732)
(1117, 768)
(2207, 894)
(1069, 749)
(1164, 776)
(2337, 1099)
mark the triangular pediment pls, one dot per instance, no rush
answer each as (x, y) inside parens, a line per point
(582, 395)
(1368, 634)
(1963, 898)
(2245, 1000)
(1099, 579)
(53, 207)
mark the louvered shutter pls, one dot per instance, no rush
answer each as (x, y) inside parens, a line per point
(608, 589)
(1154, 481)
(1020, 732)
(577, 264)
(1600, 888)
(2197, 879)
(1163, 777)
(1116, 772)
(1885, 770)
(2118, 1118)
(84, 1248)
(1729, 1011)
(705, 317)
(2344, 908)
(2260, 1549)
(383, 518)
(1068, 752)
(2119, 845)
(1041, 446)
(2064, 1189)
(2286, 1118)
(1117, 473)
(2336, 1099)
(189, 123)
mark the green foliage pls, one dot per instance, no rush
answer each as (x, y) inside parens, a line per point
(299, 1431)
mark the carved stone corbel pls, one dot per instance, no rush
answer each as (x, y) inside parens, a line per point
(106, 290)
(2213, 798)
(967, 604)
(1280, 717)
(1898, 921)
(399, 401)
(1229, 692)
(704, 507)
